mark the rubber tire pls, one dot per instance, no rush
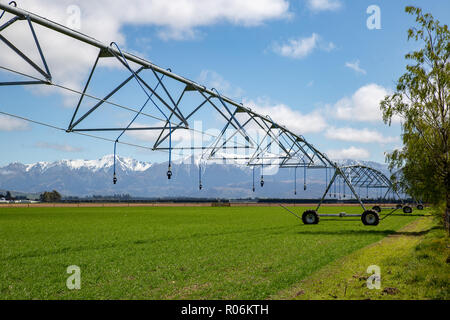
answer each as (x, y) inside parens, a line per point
(309, 213)
(419, 207)
(370, 213)
(376, 208)
(407, 209)
(399, 206)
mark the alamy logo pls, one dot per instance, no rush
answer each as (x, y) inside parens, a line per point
(73, 282)
(74, 19)
(374, 281)
(374, 20)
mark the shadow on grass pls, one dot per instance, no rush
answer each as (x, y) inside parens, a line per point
(348, 232)
(406, 215)
(367, 231)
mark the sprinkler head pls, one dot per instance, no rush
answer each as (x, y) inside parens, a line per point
(200, 186)
(169, 172)
(115, 179)
(253, 189)
(262, 182)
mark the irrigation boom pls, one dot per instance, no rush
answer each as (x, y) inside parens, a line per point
(293, 149)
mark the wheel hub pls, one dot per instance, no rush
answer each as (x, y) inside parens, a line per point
(370, 218)
(310, 218)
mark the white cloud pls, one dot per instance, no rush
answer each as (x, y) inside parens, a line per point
(302, 47)
(355, 135)
(294, 120)
(355, 66)
(297, 48)
(12, 124)
(212, 79)
(58, 147)
(363, 105)
(70, 60)
(349, 153)
(177, 16)
(324, 5)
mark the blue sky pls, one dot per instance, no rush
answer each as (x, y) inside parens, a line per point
(313, 65)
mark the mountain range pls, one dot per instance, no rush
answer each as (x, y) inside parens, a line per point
(149, 180)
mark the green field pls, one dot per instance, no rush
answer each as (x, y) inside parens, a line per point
(171, 252)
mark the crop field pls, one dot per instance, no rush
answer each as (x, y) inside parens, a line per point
(172, 252)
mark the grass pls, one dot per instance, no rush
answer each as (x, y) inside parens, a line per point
(171, 252)
(414, 265)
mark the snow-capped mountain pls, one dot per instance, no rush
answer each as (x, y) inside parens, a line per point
(143, 179)
(105, 163)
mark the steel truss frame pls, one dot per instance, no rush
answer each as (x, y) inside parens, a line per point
(295, 150)
(360, 176)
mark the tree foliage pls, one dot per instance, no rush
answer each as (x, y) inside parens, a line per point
(53, 196)
(422, 101)
(8, 196)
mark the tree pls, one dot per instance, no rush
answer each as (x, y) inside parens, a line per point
(8, 196)
(422, 102)
(53, 196)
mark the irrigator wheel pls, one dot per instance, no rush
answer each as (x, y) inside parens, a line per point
(310, 217)
(407, 209)
(370, 218)
(419, 207)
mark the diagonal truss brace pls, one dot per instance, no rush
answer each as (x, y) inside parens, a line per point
(45, 73)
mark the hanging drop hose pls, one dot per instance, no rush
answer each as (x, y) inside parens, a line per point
(253, 179)
(262, 175)
(200, 186)
(128, 126)
(169, 171)
(114, 163)
(295, 180)
(304, 178)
